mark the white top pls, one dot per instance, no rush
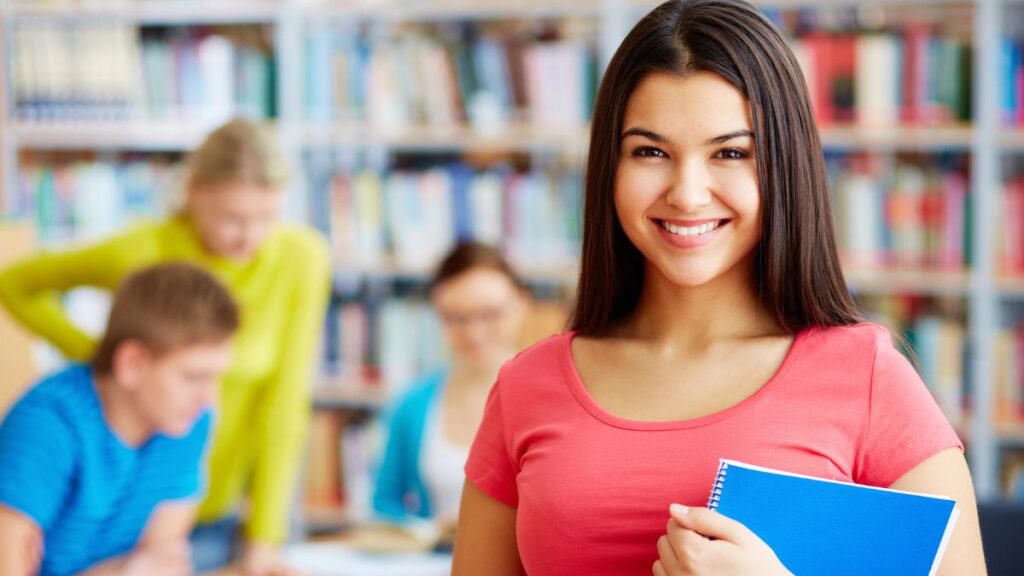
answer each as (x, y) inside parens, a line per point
(441, 465)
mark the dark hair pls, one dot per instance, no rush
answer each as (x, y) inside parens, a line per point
(796, 266)
(471, 255)
(165, 307)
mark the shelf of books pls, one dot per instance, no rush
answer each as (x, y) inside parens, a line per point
(1008, 415)
(148, 12)
(425, 138)
(452, 119)
(403, 11)
(65, 73)
(443, 121)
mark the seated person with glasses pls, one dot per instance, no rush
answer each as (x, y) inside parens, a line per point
(481, 306)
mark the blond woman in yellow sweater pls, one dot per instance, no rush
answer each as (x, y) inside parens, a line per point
(280, 275)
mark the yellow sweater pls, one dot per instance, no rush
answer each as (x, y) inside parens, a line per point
(264, 404)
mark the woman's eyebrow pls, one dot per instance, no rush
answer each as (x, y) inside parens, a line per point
(726, 137)
(655, 137)
(645, 134)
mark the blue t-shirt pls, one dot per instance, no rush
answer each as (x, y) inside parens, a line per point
(88, 492)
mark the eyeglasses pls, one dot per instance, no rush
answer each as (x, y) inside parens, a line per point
(465, 318)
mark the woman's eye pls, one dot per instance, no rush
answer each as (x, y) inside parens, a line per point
(732, 154)
(648, 152)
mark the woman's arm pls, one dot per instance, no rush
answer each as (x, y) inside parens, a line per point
(283, 414)
(485, 541)
(946, 474)
(29, 288)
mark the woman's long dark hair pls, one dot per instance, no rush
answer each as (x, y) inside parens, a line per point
(796, 266)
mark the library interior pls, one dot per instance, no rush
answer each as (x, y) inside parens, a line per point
(388, 207)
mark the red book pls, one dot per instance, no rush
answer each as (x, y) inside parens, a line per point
(916, 39)
(954, 191)
(1013, 228)
(819, 49)
(843, 68)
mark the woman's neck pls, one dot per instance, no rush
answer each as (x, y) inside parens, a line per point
(693, 318)
(465, 375)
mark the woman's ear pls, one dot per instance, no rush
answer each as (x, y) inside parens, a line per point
(131, 362)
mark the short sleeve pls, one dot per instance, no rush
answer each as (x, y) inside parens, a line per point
(36, 462)
(905, 425)
(491, 467)
(191, 475)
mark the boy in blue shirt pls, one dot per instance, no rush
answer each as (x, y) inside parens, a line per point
(101, 465)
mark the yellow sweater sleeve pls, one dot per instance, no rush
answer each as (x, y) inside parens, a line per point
(283, 415)
(29, 289)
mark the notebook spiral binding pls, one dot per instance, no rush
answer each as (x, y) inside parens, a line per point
(716, 490)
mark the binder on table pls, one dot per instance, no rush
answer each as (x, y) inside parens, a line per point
(826, 527)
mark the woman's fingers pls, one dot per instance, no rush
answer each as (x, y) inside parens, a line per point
(710, 524)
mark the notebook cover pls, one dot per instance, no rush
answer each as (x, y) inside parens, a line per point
(818, 526)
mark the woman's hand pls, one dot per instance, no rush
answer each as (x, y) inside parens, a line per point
(703, 542)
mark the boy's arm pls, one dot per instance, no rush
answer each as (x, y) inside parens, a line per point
(21, 544)
(36, 468)
(170, 523)
(162, 550)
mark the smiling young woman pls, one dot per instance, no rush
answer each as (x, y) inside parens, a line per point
(712, 321)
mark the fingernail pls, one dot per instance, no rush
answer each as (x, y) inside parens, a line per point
(678, 509)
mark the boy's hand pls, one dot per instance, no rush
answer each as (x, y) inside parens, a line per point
(21, 544)
(171, 559)
(687, 548)
(262, 559)
(34, 551)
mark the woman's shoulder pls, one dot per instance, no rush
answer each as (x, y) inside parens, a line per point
(301, 241)
(547, 356)
(300, 246)
(860, 340)
(418, 395)
(424, 387)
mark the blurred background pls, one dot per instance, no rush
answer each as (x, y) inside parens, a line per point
(413, 124)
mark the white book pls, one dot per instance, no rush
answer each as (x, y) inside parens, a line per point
(877, 82)
(485, 199)
(216, 65)
(859, 203)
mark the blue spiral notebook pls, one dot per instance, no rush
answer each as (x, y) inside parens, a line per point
(819, 527)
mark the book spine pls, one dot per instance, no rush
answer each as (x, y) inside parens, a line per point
(716, 490)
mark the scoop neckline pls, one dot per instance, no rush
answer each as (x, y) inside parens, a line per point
(583, 396)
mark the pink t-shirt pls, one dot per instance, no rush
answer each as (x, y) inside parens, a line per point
(592, 490)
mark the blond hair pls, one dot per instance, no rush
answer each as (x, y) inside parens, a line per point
(242, 152)
(165, 307)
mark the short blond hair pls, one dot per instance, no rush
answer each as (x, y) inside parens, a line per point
(165, 307)
(242, 152)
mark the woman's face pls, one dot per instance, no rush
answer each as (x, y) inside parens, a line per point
(686, 190)
(481, 311)
(234, 220)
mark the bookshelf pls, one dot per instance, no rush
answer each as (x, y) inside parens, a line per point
(329, 143)
(164, 136)
(152, 12)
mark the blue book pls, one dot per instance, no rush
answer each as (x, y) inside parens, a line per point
(818, 526)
